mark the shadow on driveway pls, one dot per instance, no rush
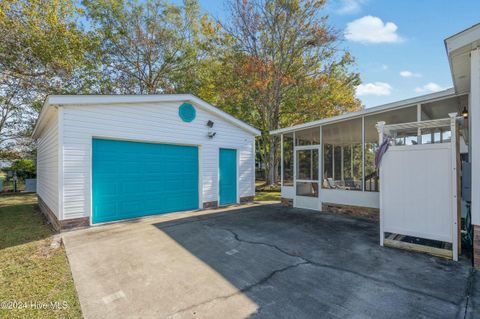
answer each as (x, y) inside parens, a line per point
(295, 263)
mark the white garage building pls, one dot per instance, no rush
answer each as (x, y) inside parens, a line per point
(105, 158)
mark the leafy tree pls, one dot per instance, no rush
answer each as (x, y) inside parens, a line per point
(276, 63)
(40, 38)
(41, 50)
(273, 63)
(25, 168)
(15, 114)
(147, 47)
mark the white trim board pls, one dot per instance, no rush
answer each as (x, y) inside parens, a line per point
(432, 97)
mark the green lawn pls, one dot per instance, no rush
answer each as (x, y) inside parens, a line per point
(32, 273)
(267, 196)
(266, 193)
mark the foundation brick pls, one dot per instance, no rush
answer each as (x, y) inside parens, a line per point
(287, 202)
(61, 225)
(246, 199)
(213, 204)
(357, 211)
(476, 246)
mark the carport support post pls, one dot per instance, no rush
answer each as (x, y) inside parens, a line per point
(381, 130)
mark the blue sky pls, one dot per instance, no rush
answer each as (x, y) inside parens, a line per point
(398, 45)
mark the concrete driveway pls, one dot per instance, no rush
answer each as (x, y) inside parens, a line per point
(261, 261)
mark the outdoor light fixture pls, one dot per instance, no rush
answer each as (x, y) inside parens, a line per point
(211, 133)
(465, 113)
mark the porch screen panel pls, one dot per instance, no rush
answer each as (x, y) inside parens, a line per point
(440, 110)
(309, 136)
(307, 172)
(342, 155)
(288, 159)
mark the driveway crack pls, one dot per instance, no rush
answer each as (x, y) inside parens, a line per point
(468, 291)
(331, 267)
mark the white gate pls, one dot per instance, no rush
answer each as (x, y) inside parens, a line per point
(418, 184)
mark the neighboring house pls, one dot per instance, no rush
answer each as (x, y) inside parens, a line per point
(329, 164)
(103, 158)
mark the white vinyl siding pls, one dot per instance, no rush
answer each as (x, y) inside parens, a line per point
(47, 164)
(152, 122)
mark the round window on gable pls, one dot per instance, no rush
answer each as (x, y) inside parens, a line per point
(187, 112)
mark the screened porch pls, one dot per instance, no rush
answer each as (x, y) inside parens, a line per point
(333, 160)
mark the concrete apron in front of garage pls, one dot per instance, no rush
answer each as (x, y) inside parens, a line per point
(263, 261)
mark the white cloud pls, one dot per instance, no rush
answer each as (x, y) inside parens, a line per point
(350, 6)
(384, 67)
(371, 29)
(376, 88)
(410, 74)
(429, 87)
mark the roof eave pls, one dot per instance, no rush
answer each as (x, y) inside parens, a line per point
(450, 65)
(40, 119)
(457, 43)
(376, 109)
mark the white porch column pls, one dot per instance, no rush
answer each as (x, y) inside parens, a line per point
(474, 121)
(381, 131)
(281, 160)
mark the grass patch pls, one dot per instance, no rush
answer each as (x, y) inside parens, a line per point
(31, 271)
(267, 196)
(261, 186)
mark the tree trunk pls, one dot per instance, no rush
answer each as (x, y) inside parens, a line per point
(270, 170)
(271, 164)
(277, 168)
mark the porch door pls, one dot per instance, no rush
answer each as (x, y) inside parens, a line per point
(307, 177)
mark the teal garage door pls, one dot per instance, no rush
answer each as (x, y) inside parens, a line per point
(228, 176)
(131, 179)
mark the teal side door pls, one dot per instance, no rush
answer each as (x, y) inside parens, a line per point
(131, 179)
(228, 176)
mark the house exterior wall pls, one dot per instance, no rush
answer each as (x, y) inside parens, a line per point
(474, 118)
(474, 115)
(148, 122)
(48, 164)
